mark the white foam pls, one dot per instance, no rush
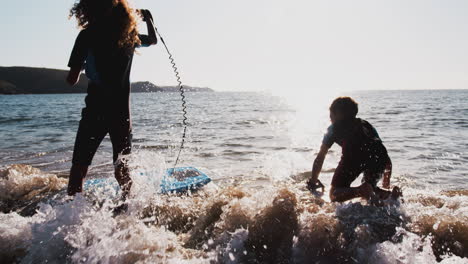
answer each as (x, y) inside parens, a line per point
(15, 235)
(412, 249)
(84, 230)
(25, 182)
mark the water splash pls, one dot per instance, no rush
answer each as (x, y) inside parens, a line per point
(279, 221)
(22, 187)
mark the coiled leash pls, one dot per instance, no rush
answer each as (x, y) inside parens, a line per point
(179, 85)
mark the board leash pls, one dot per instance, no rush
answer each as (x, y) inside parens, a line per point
(182, 94)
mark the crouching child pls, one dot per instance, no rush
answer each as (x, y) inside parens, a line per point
(362, 152)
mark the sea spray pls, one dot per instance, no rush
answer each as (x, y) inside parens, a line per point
(239, 224)
(272, 231)
(15, 236)
(22, 186)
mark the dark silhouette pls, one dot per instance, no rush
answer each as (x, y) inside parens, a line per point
(362, 152)
(105, 48)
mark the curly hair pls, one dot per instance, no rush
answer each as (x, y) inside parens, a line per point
(117, 12)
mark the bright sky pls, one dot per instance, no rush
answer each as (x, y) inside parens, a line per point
(275, 45)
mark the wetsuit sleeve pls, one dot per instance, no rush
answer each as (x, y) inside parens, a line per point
(375, 132)
(329, 137)
(370, 131)
(79, 52)
(145, 41)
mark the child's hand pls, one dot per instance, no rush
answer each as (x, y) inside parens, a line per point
(145, 15)
(313, 186)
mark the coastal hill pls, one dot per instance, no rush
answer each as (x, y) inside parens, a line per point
(149, 87)
(28, 80)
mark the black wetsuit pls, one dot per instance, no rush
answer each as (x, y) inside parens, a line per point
(108, 100)
(362, 152)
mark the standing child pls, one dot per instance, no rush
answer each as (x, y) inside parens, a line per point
(362, 152)
(104, 48)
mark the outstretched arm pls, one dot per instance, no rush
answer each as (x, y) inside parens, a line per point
(387, 175)
(318, 163)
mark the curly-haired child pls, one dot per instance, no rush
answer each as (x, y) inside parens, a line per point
(104, 48)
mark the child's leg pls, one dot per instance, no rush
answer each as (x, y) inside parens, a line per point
(372, 178)
(342, 194)
(122, 175)
(75, 182)
(345, 174)
(88, 138)
(121, 137)
(381, 193)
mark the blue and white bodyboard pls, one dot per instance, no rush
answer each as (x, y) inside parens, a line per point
(175, 180)
(183, 179)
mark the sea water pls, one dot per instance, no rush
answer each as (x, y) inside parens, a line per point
(257, 148)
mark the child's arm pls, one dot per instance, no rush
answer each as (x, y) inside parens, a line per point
(318, 163)
(77, 58)
(73, 75)
(148, 18)
(387, 175)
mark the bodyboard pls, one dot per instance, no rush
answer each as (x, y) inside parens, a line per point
(175, 180)
(183, 179)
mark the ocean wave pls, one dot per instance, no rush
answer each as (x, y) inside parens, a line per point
(278, 223)
(236, 145)
(23, 185)
(14, 120)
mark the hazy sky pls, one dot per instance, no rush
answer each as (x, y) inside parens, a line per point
(295, 45)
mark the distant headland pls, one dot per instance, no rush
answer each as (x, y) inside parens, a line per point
(28, 80)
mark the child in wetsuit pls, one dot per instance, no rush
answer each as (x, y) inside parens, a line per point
(362, 152)
(104, 48)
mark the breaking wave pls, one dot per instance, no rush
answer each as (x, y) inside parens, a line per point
(277, 222)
